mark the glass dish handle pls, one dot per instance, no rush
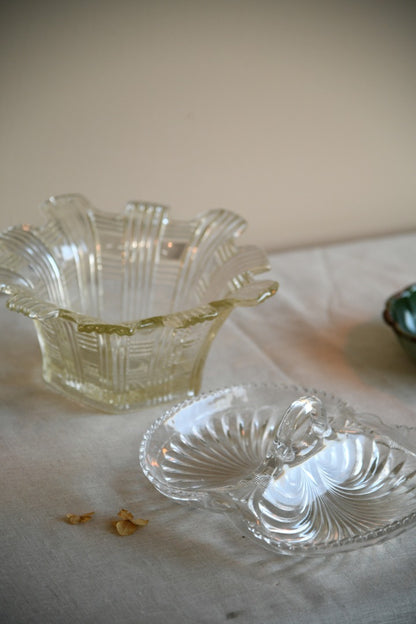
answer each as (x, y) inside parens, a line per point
(301, 431)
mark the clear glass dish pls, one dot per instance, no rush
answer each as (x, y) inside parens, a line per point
(300, 472)
(126, 305)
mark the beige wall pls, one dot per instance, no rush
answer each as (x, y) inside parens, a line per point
(299, 116)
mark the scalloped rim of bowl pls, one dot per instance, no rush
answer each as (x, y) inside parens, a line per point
(23, 300)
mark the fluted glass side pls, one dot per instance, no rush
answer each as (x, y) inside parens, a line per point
(126, 305)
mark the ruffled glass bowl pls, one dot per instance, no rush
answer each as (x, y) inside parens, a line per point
(300, 472)
(126, 305)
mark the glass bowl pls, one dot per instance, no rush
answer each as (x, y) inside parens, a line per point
(400, 314)
(298, 471)
(127, 305)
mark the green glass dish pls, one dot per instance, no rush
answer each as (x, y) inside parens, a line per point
(400, 314)
(126, 305)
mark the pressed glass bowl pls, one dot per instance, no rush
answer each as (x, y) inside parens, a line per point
(126, 305)
(400, 314)
(300, 472)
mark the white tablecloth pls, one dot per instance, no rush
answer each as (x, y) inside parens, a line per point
(322, 330)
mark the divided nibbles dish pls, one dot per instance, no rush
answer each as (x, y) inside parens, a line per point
(299, 471)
